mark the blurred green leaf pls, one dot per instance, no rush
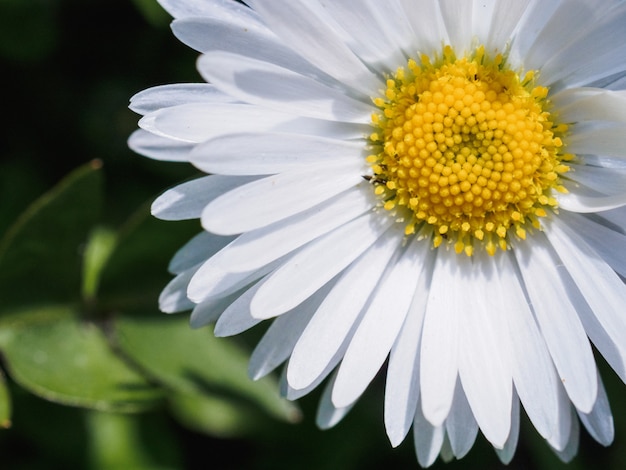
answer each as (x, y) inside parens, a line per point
(51, 353)
(213, 415)
(99, 248)
(116, 442)
(196, 364)
(40, 255)
(152, 12)
(5, 404)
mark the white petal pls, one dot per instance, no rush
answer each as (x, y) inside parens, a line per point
(427, 24)
(504, 19)
(571, 448)
(158, 147)
(211, 8)
(188, 200)
(337, 315)
(278, 88)
(295, 394)
(604, 180)
(560, 26)
(402, 385)
(381, 324)
(607, 304)
(603, 239)
(166, 96)
(276, 197)
(586, 204)
(174, 298)
(258, 247)
(531, 365)
(599, 422)
(531, 26)
(236, 318)
(596, 51)
(428, 439)
(456, 15)
(590, 104)
(311, 33)
(598, 140)
(280, 338)
(197, 122)
(506, 453)
(460, 424)
(565, 423)
(379, 50)
(200, 248)
(210, 310)
(268, 153)
(484, 362)
(440, 337)
(212, 281)
(327, 414)
(564, 334)
(316, 264)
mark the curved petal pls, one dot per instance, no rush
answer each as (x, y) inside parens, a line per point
(559, 322)
(607, 305)
(314, 36)
(327, 414)
(461, 426)
(278, 341)
(381, 323)
(268, 200)
(211, 8)
(440, 337)
(188, 200)
(533, 372)
(236, 317)
(278, 88)
(506, 453)
(158, 147)
(266, 153)
(316, 264)
(166, 96)
(402, 387)
(484, 363)
(200, 248)
(590, 104)
(338, 314)
(427, 438)
(253, 249)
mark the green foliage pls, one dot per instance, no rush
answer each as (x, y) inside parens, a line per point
(213, 391)
(79, 327)
(58, 356)
(40, 256)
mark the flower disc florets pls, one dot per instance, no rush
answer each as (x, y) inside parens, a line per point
(466, 146)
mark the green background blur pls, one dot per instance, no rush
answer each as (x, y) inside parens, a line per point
(68, 69)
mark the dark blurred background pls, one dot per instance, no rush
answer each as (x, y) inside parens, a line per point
(68, 70)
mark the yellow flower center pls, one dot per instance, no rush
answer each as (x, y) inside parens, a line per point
(465, 147)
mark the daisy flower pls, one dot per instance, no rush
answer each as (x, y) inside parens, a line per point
(436, 187)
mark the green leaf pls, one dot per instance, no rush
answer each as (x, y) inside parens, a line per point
(214, 415)
(5, 404)
(51, 353)
(119, 441)
(40, 256)
(196, 364)
(153, 12)
(99, 248)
